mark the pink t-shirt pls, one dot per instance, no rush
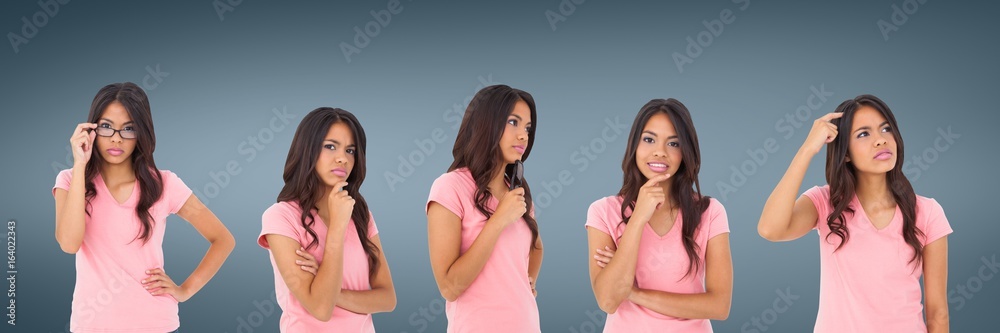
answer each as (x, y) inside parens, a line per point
(284, 218)
(499, 299)
(661, 265)
(869, 285)
(111, 262)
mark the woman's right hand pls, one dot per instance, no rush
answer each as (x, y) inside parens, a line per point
(650, 198)
(823, 132)
(341, 205)
(82, 143)
(511, 207)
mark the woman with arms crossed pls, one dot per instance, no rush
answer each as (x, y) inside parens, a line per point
(660, 249)
(330, 273)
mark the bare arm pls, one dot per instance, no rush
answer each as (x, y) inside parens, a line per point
(714, 303)
(221, 245)
(936, 285)
(71, 205)
(784, 218)
(455, 271)
(613, 283)
(535, 264)
(381, 297)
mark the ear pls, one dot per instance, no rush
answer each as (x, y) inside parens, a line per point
(848, 158)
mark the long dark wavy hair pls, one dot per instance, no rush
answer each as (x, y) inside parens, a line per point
(685, 189)
(477, 145)
(303, 186)
(150, 181)
(842, 176)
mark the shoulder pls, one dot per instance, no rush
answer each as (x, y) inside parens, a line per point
(283, 210)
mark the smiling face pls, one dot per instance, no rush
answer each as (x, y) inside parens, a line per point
(514, 139)
(336, 157)
(872, 146)
(115, 149)
(659, 150)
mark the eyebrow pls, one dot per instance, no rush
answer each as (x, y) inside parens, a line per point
(654, 134)
(112, 122)
(336, 142)
(519, 118)
(868, 128)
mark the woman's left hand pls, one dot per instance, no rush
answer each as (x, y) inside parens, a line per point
(158, 283)
(603, 256)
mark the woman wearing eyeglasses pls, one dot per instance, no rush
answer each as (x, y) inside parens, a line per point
(111, 209)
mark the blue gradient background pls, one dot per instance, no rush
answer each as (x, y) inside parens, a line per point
(601, 64)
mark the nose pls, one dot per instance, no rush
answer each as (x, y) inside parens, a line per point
(881, 140)
(522, 135)
(117, 134)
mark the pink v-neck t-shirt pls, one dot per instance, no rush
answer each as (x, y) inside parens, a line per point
(661, 265)
(869, 285)
(284, 218)
(112, 261)
(500, 298)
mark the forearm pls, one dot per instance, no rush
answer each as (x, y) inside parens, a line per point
(367, 301)
(614, 282)
(71, 220)
(777, 213)
(535, 260)
(467, 267)
(324, 291)
(216, 255)
(705, 305)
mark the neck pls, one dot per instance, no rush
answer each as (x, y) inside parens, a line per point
(873, 188)
(496, 181)
(116, 173)
(321, 207)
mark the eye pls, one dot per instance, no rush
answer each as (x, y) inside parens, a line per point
(674, 144)
(129, 129)
(862, 134)
(528, 128)
(104, 125)
(330, 147)
(512, 121)
(647, 139)
(351, 151)
(887, 129)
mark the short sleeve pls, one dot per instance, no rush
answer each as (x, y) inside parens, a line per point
(281, 219)
(175, 191)
(372, 229)
(718, 220)
(934, 223)
(820, 197)
(446, 192)
(62, 180)
(597, 215)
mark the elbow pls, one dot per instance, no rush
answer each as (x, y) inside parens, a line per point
(608, 306)
(392, 303)
(768, 234)
(70, 249)
(450, 294)
(226, 242)
(322, 313)
(721, 314)
(67, 245)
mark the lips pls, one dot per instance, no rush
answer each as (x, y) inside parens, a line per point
(339, 172)
(883, 155)
(657, 167)
(519, 149)
(115, 151)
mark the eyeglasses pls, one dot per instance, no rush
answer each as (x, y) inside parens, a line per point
(125, 133)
